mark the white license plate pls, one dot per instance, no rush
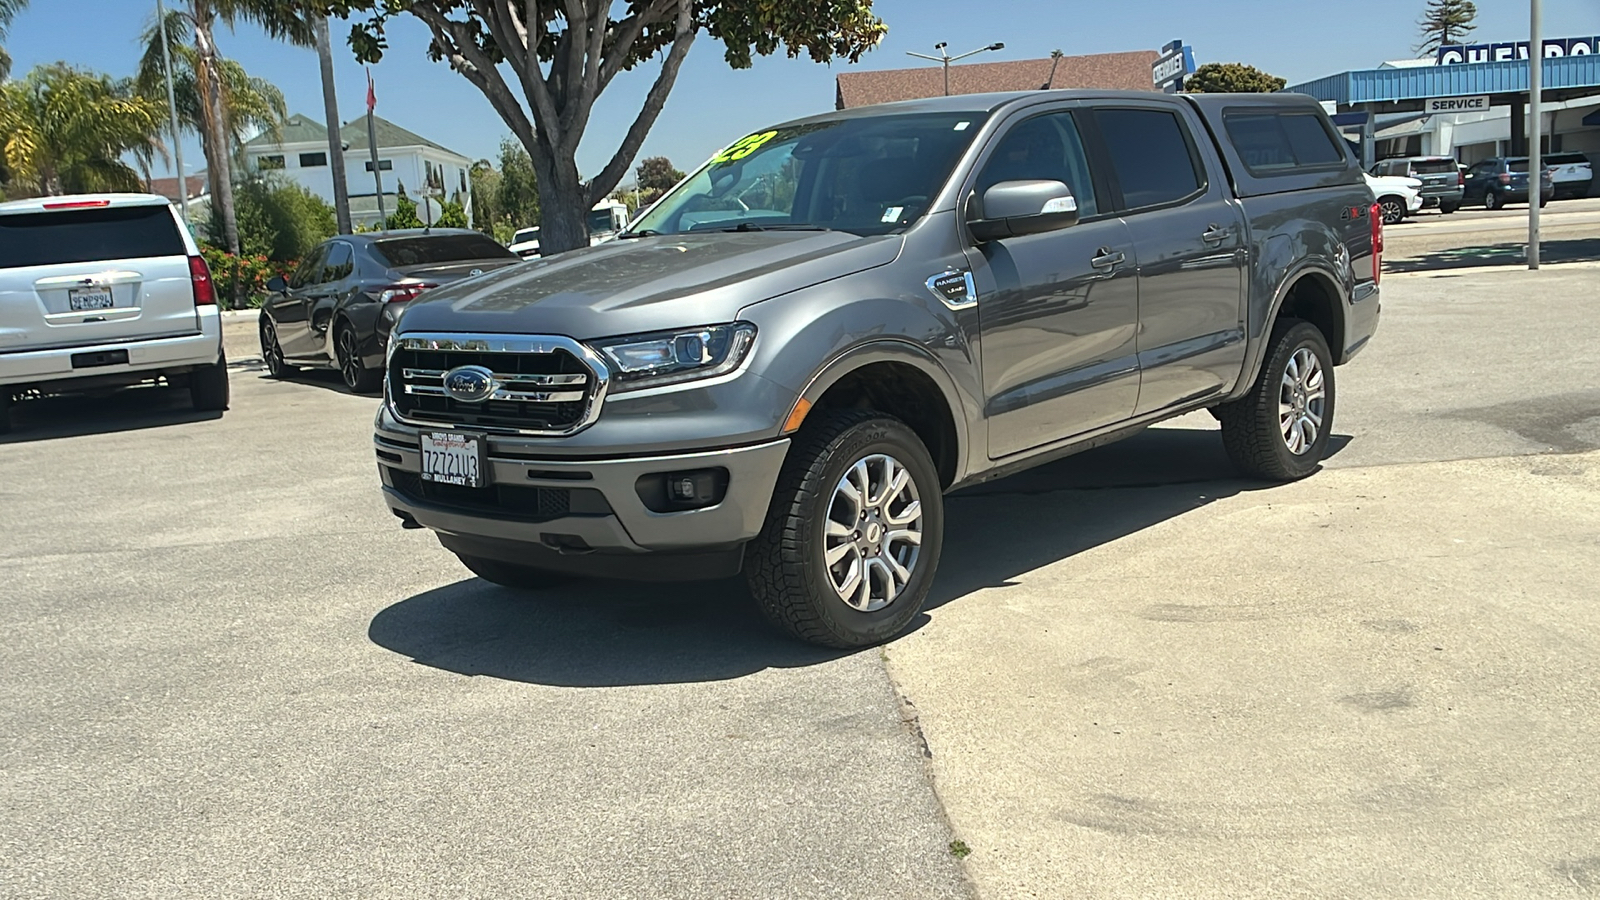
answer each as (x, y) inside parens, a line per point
(449, 457)
(94, 298)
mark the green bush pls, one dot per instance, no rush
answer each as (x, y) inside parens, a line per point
(244, 277)
(278, 220)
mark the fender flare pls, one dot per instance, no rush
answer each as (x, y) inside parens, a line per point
(1305, 269)
(899, 351)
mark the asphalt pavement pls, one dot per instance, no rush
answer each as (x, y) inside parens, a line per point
(230, 672)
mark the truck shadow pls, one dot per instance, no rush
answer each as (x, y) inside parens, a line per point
(598, 634)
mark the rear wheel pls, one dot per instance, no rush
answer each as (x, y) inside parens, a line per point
(1448, 208)
(357, 377)
(511, 575)
(272, 352)
(1491, 200)
(852, 538)
(1279, 431)
(1394, 210)
(208, 386)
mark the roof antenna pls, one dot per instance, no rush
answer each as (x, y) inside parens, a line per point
(1055, 60)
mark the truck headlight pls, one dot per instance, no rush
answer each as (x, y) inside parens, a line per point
(668, 357)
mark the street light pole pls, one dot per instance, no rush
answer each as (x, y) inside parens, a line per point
(1535, 130)
(945, 59)
(172, 110)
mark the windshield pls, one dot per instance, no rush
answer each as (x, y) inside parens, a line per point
(440, 248)
(866, 176)
(600, 220)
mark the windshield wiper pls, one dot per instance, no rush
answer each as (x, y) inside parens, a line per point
(777, 226)
(643, 232)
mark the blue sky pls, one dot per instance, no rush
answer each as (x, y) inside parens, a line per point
(713, 105)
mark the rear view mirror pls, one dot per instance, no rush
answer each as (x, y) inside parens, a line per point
(277, 285)
(1016, 208)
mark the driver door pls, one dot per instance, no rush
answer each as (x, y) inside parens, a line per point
(289, 307)
(1058, 312)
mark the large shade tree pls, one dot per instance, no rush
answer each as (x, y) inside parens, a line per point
(559, 56)
(65, 130)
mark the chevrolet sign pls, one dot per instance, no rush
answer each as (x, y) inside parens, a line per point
(1176, 62)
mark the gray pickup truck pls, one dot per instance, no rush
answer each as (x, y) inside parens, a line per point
(792, 356)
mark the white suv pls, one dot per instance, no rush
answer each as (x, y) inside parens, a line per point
(104, 291)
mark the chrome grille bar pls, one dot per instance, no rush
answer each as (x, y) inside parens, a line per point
(505, 377)
(518, 396)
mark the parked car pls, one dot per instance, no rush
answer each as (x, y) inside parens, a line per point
(525, 242)
(1499, 180)
(338, 306)
(1440, 177)
(1570, 173)
(105, 291)
(778, 369)
(1396, 196)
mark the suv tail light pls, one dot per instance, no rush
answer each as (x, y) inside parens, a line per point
(1461, 178)
(205, 291)
(1376, 215)
(401, 293)
(1505, 177)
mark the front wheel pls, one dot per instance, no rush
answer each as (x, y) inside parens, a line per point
(1394, 211)
(852, 539)
(1448, 208)
(1491, 200)
(357, 377)
(511, 575)
(1279, 431)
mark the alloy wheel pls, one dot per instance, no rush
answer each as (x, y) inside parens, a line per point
(1302, 399)
(349, 360)
(873, 535)
(271, 352)
(1393, 212)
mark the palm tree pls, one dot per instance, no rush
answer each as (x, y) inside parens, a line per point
(65, 130)
(8, 11)
(197, 20)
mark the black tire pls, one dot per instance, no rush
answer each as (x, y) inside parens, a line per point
(5, 410)
(1252, 431)
(346, 348)
(1394, 210)
(1448, 208)
(1491, 200)
(511, 575)
(272, 351)
(785, 565)
(208, 386)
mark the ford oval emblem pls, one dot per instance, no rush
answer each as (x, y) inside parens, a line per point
(469, 384)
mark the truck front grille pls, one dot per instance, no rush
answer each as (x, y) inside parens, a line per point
(541, 385)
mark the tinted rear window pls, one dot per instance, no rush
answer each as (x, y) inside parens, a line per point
(1566, 159)
(1434, 166)
(1151, 155)
(1272, 143)
(1518, 165)
(88, 235)
(440, 248)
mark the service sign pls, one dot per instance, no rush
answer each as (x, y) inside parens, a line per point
(1456, 105)
(1456, 54)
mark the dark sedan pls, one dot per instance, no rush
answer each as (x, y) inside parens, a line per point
(338, 306)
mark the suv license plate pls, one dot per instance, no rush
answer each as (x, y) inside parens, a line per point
(97, 298)
(450, 457)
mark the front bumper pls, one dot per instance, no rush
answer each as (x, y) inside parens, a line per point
(147, 358)
(584, 515)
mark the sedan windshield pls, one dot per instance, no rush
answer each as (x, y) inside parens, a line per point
(865, 176)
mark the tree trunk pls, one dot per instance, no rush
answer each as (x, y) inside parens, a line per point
(563, 206)
(330, 106)
(218, 163)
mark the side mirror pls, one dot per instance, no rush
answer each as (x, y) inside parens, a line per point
(1016, 208)
(277, 285)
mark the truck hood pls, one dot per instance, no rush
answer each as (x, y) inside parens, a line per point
(646, 284)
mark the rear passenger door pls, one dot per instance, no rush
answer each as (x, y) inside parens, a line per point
(1189, 237)
(1058, 310)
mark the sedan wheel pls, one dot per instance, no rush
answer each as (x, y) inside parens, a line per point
(271, 352)
(357, 377)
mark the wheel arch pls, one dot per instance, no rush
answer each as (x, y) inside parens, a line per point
(1309, 291)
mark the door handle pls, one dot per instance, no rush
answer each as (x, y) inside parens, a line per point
(1216, 235)
(1108, 259)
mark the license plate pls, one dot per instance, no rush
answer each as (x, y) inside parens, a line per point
(93, 298)
(449, 457)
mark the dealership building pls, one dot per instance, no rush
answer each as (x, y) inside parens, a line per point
(1469, 102)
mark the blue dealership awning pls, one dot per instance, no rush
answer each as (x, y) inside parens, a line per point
(1568, 75)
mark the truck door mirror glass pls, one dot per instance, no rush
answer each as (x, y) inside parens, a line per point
(1016, 208)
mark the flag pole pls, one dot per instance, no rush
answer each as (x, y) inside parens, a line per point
(372, 148)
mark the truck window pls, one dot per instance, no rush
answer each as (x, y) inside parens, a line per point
(1151, 154)
(1046, 148)
(1275, 143)
(85, 235)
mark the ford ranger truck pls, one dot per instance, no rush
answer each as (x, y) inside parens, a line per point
(787, 361)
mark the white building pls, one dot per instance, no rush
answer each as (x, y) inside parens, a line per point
(300, 152)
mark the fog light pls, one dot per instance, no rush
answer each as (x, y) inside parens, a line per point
(679, 491)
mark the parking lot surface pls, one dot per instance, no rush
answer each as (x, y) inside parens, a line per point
(230, 672)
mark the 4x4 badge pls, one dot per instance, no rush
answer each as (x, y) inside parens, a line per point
(954, 288)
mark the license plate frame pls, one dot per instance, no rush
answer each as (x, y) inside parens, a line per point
(457, 458)
(90, 299)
